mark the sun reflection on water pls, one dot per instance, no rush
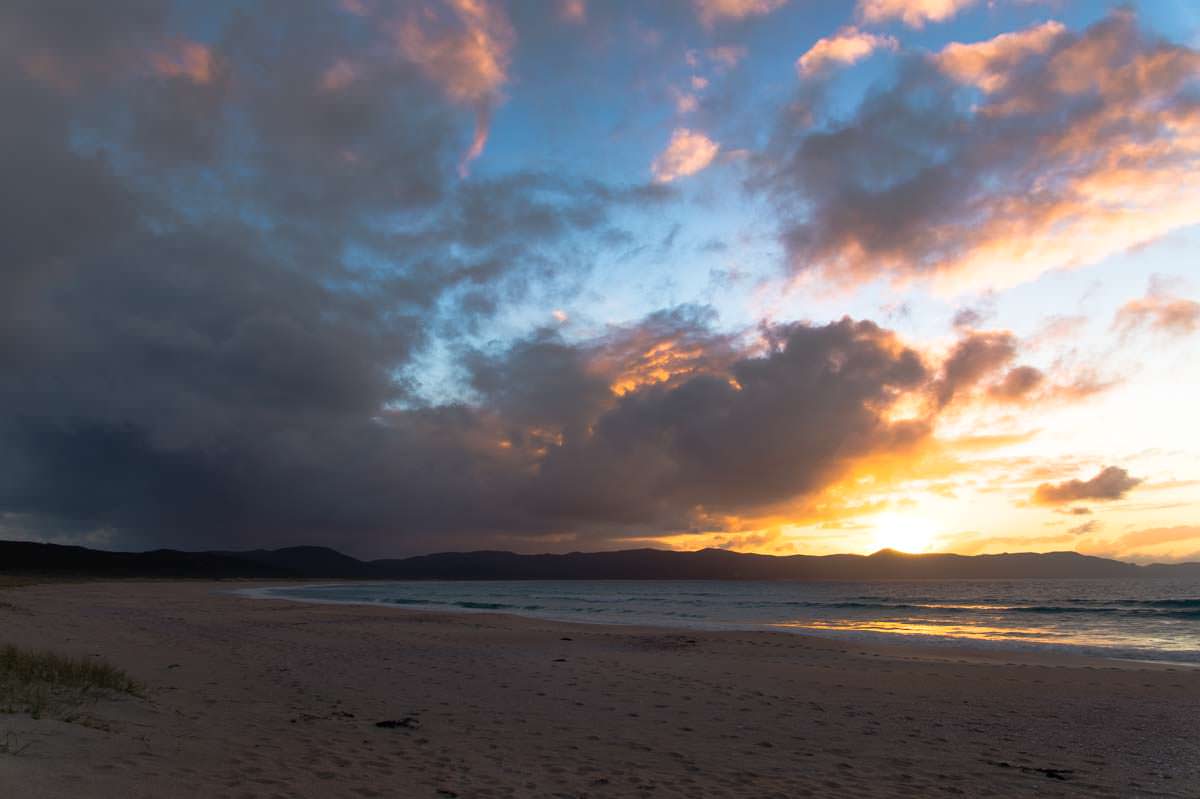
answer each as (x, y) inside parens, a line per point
(981, 632)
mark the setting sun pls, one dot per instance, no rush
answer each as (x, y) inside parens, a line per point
(902, 532)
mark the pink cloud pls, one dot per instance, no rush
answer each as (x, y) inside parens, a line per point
(847, 46)
(989, 64)
(712, 11)
(572, 11)
(466, 49)
(913, 13)
(340, 75)
(687, 153)
(727, 56)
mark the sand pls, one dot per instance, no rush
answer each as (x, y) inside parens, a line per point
(269, 698)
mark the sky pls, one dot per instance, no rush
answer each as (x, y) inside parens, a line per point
(779, 276)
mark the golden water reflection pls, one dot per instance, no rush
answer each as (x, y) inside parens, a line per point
(902, 627)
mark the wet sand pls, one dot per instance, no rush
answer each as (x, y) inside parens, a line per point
(269, 698)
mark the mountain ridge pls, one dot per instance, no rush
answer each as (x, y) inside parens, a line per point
(316, 562)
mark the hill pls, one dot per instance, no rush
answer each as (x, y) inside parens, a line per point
(18, 557)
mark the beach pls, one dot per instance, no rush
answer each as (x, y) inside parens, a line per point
(251, 697)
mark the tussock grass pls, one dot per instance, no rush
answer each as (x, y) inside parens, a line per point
(46, 683)
(19, 580)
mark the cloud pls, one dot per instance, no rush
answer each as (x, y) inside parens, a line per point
(1156, 537)
(1017, 384)
(88, 47)
(967, 318)
(767, 430)
(685, 102)
(713, 11)
(727, 56)
(201, 308)
(573, 12)
(271, 414)
(1087, 528)
(847, 46)
(1110, 483)
(914, 13)
(245, 301)
(972, 544)
(986, 165)
(1150, 545)
(1159, 311)
(467, 51)
(975, 356)
(687, 153)
(979, 370)
(187, 59)
(990, 65)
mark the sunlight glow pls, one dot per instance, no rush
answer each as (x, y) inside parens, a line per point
(902, 532)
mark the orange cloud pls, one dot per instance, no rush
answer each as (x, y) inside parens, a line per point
(712, 11)
(914, 13)
(847, 46)
(687, 153)
(1158, 535)
(971, 544)
(191, 60)
(1159, 311)
(635, 358)
(1149, 544)
(661, 363)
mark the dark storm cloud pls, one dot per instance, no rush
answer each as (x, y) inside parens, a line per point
(221, 261)
(218, 260)
(74, 46)
(772, 428)
(976, 356)
(1110, 483)
(993, 162)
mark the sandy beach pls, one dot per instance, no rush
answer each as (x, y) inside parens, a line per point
(269, 698)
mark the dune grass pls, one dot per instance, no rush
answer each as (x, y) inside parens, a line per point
(49, 684)
(18, 580)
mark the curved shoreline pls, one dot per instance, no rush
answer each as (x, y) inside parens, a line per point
(994, 648)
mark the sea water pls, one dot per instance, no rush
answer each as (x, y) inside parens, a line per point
(1151, 619)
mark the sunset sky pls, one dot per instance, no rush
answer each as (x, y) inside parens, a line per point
(782, 276)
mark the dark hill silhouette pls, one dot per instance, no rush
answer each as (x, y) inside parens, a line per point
(18, 557)
(314, 561)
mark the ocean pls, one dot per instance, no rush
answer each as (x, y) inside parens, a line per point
(1147, 619)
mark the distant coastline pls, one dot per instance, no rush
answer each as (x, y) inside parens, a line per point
(52, 560)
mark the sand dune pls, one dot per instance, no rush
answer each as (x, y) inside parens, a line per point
(266, 698)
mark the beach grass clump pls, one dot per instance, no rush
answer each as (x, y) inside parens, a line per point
(47, 683)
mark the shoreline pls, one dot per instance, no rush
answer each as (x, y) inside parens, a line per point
(280, 698)
(949, 645)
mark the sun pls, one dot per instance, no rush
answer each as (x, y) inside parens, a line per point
(903, 532)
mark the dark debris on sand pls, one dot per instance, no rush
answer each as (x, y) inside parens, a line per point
(407, 723)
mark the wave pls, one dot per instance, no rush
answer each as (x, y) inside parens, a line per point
(1143, 611)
